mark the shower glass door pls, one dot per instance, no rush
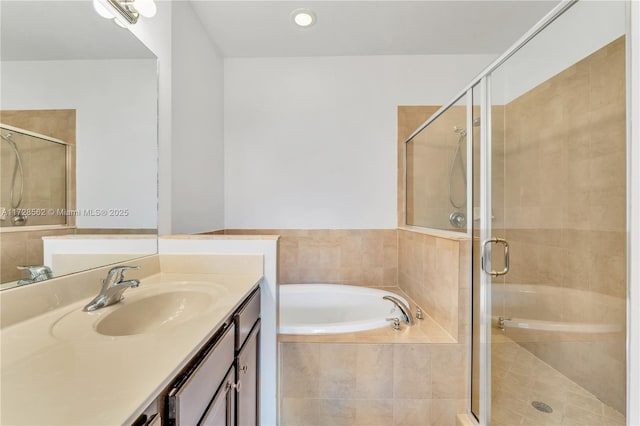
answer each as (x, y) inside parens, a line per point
(553, 191)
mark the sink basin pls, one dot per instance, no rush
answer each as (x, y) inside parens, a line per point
(157, 307)
(153, 312)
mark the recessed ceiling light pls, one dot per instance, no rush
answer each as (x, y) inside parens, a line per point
(303, 17)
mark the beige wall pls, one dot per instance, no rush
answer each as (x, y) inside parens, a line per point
(565, 206)
(367, 257)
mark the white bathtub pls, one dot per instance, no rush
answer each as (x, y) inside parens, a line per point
(557, 309)
(333, 308)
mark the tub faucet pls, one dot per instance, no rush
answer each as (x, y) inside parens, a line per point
(404, 309)
(34, 274)
(112, 288)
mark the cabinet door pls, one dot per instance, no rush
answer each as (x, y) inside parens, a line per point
(221, 410)
(248, 380)
(191, 394)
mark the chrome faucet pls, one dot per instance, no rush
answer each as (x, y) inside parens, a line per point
(34, 274)
(112, 288)
(404, 309)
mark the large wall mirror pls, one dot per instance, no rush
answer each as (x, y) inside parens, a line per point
(78, 148)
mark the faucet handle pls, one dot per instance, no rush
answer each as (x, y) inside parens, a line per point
(35, 271)
(116, 274)
(396, 323)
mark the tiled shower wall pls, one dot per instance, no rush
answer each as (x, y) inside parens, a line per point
(565, 205)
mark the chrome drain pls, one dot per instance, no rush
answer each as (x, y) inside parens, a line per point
(541, 406)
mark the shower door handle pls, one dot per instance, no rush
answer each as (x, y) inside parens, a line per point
(506, 256)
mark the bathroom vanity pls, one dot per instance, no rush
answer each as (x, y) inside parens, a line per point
(221, 383)
(182, 349)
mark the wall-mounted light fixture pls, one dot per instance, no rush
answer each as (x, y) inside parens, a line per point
(125, 11)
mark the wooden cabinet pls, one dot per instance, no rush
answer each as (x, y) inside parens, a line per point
(247, 363)
(247, 322)
(221, 388)
(192, 392)
(220, 385)
(221, 412)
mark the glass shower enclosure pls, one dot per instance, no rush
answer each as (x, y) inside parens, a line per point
(542, 186)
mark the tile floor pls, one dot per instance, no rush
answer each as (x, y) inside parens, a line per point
(519, 378)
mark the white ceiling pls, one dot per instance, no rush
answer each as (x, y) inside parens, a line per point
(57, 30)
(62, 30)
(345, 28)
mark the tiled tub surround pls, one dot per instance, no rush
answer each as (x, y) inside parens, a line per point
(431, 269)
(372, 384)
(416, 376)
(56, 371)
(434, 271)
(367, 257)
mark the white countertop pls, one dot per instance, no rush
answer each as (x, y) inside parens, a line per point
(64, 373)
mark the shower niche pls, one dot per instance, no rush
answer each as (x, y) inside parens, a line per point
(35, 179)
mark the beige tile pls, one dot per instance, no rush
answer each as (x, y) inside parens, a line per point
(298, 373)
(335, 370)
(323, 412)
(411, 412)
(575, 416)
(412, 372)
(374, 372)
(449, 371)
(299, 412)
(444, 411)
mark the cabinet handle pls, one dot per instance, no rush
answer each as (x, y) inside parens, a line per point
(236, 386)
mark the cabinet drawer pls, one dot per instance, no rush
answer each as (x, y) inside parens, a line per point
(191, 395)
(246, 316)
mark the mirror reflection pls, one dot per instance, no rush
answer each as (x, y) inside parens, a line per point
(78, 155)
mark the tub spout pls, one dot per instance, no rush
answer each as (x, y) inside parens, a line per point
(404, 309)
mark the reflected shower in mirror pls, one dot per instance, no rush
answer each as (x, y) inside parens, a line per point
(78, 107)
